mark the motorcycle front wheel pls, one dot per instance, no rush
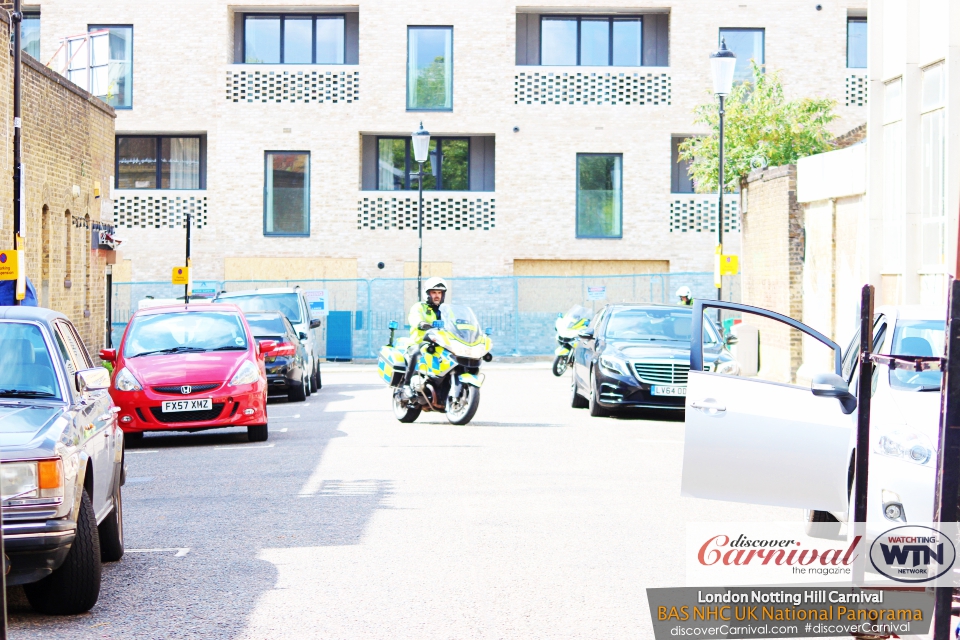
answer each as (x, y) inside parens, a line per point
(403, 411)
(461, 410)
(560, 365)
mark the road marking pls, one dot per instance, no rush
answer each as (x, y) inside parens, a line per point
(666, 441)
(284, 430)
(293, 417)
(139, 480)
(144, 451)
(244, 447)
(313, 483)
(181, 551)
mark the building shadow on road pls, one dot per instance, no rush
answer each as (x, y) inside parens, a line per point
(225, 500)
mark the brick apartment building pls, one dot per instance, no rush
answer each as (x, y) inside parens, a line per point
(285, 129)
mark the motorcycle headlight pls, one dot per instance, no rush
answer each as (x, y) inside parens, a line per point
(730, 368)
(248, 373)
(905, 445)
(126, 382)
(613, 365)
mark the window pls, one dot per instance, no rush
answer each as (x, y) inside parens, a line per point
(110, 64)
(599, 196)
(294, 39)
(747, 45)
(160, 162)
(286, 194)
(430, 68)
(893, 204)
(447, 167)
(932, 152)
(30, 34)
(680, 180)
(591, 41)
(856, 43)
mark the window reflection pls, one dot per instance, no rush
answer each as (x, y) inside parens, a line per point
(747, 45)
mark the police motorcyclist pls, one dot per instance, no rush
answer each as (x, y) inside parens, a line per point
(421, 318)
(686, 297)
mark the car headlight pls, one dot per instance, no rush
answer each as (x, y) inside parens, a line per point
(614, 365)
(730, 368)
(906, 445)
(126, 382)
(26, 482)
(248, 373)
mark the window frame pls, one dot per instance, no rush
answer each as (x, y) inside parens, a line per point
(283, 18)
(576, 221)
(407, 68)
(410, 161)
(579, 18)
(763, 42)
(159, 162)
(850, 19)
(677, 166)
(266, 168)
(97, 27)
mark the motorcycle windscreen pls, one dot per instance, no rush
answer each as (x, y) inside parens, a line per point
(460, 321)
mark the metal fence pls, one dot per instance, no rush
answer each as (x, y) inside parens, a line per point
(519, 310)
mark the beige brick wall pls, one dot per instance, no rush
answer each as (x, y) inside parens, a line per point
(183, 51)
(68, 141)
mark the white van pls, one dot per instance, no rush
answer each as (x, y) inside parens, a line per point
(291, 302)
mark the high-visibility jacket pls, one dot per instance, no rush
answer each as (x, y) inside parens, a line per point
(421, 312)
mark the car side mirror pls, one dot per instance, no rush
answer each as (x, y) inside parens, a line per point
(266, 347)
(314, 323)
(89, 380)
(830, 385)
(730, 340)
(303, 335)
(108, 355)
(586, 334)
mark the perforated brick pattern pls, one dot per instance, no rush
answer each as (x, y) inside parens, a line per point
(699, 213)
(159, 211)
(857, 84)
(293, 86)
(578, 87)
(400, 212)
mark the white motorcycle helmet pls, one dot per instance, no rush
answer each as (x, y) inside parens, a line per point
(684, 292)
(435, 283)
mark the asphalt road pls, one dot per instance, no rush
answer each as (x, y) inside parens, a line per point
(534, 521)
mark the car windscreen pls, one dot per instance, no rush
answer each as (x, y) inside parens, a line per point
(917, 338)
(673, 325)
(266, 325)
(26, 369)
(286, 303)
(184, 331)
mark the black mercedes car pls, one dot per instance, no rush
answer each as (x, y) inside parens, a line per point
(638, 355)
(287, 370)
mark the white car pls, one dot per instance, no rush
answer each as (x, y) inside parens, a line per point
(788, 444)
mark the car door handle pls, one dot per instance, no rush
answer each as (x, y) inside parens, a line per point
(709, 406)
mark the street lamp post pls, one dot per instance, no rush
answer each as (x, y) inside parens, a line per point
(421, 150)
(723, 62)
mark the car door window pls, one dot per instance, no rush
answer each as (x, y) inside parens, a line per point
(851, 356)
(74, 355)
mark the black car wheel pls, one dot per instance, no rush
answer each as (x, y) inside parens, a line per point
(315, 377)
(577, 401)
(75, 586)
(111, 531)
(258, 432)
(298, 393)
(595, 409)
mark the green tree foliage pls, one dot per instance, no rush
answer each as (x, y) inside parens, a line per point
(761, 128)
(432, 85)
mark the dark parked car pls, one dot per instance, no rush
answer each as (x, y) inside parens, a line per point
(62, 462)
(638, 355)
(288, 371)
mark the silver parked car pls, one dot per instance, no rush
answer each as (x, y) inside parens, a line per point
(62, 462)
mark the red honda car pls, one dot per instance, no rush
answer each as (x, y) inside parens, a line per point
(188, 368)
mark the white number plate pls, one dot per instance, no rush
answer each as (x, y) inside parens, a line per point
(197, 404)
(669, 391)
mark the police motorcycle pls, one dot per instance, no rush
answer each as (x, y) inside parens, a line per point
(568, 326)
(447, 376)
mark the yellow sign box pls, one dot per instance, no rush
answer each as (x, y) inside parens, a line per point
(181, 275)
(729, 265)
(9, 262)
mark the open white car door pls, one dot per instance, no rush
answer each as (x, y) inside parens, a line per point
(763, 439)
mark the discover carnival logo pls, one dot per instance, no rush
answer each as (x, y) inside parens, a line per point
(912, 553)
(723, 550)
